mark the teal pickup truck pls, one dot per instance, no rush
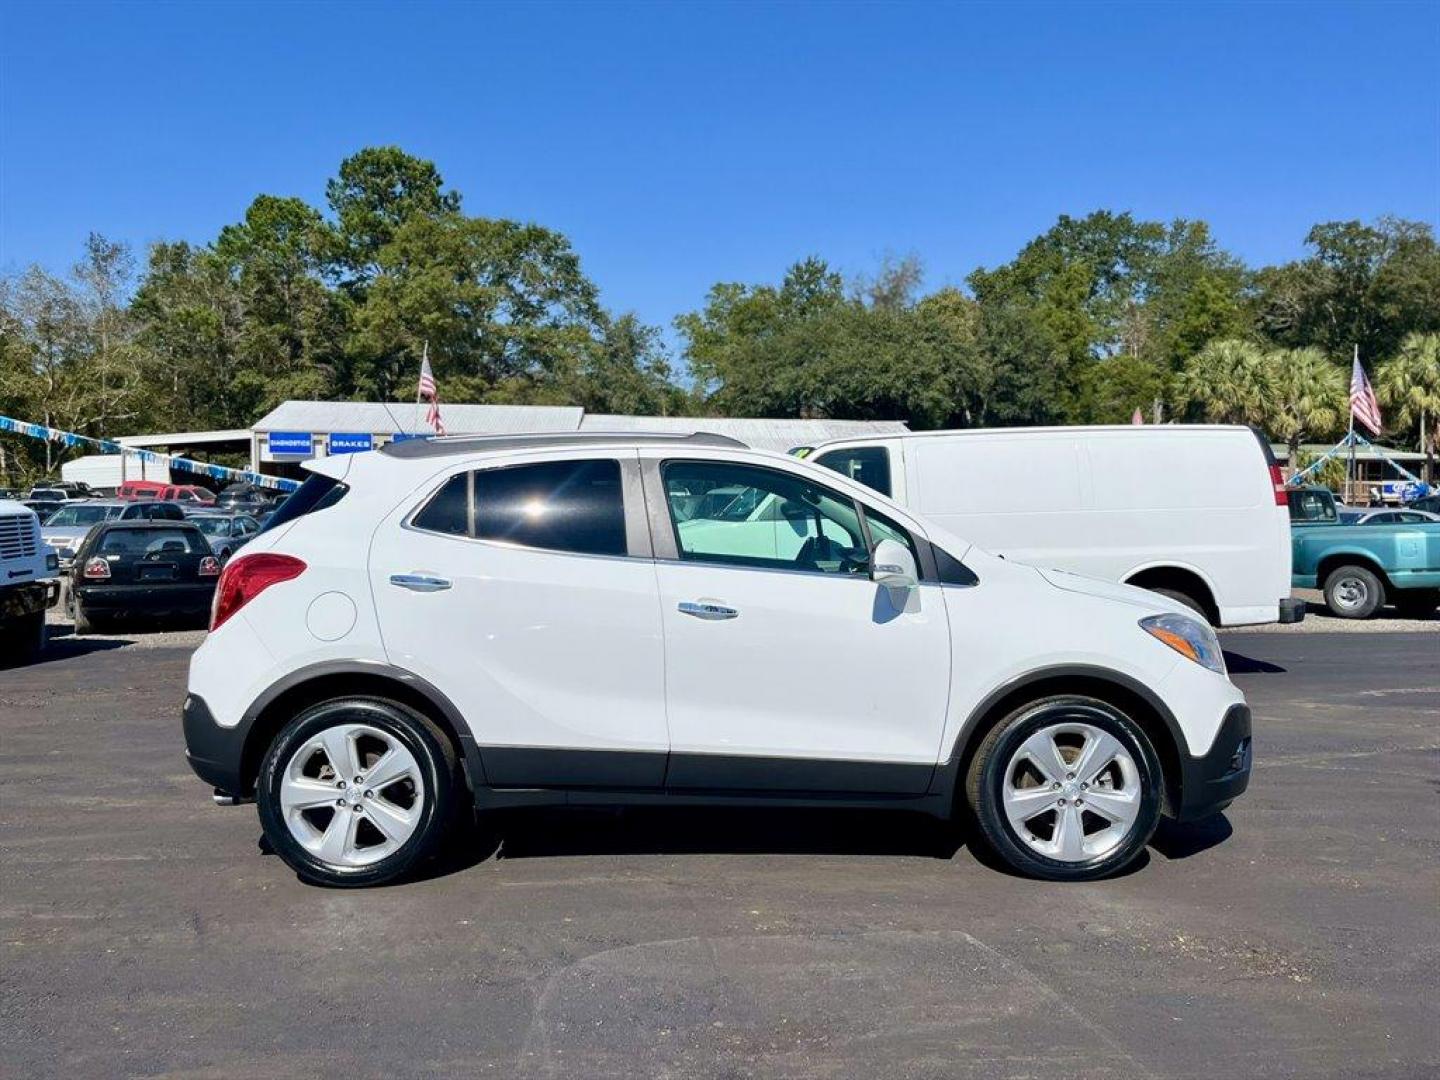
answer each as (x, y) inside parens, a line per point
(1359, 566)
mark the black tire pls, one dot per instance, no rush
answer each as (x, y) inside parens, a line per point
(1186, 599)
(1353, 592)
(24, 641)
(1417, 603)
(83, 623)
(439, 766)
(985, 781)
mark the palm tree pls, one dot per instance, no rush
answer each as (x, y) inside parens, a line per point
(1230, 381)
(1309, 396)
(1409, 383)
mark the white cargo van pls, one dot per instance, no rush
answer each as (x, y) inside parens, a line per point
(1196, 512)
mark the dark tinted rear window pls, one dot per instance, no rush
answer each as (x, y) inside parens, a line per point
(561, 505)
(316, 493)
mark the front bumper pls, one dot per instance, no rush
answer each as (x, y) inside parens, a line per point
(1211, 783)
(215, 753)
(28, 598)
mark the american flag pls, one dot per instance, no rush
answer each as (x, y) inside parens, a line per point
(1363, 406)
(425, 391)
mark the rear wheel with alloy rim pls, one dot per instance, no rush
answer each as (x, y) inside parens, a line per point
(1067, 788)
(357, 791)
(1353, 592)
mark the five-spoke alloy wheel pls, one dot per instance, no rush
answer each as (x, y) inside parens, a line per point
(356, 791)
(1066, 788)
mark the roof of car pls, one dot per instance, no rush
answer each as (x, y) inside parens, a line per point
(178, 523)
(445, 446)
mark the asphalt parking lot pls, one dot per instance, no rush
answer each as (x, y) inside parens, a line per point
(145, 931)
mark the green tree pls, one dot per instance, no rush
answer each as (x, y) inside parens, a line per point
(377, 191)
(1408, 384)
(1365, 285)
(1229, 382)
(191, 321)
(505, 308)
(1309, 396)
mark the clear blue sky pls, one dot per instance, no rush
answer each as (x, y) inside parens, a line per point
(678, 145)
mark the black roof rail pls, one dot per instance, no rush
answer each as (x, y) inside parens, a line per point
(444, 445)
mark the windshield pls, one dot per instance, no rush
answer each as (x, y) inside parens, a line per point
(46, 493)
(213, 526)
(81, 515)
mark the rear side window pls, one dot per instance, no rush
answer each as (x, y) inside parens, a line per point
(561, 505)
(315, 494)
(140, 542)
(868, 465)
(449, 510)
(574, 506)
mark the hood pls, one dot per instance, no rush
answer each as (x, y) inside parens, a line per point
(1152, 603)
(64, 532)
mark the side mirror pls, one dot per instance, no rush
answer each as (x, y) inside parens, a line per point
(893, 566)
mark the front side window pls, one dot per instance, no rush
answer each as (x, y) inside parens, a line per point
(573, 506)
(868, 465)
(882, 528)
(787, 523)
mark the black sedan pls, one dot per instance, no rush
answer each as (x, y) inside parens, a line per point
(141, 569)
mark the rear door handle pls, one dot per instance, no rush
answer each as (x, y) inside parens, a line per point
(420, 582)
(706, 610)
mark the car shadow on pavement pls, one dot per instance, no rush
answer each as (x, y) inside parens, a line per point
(1176, 841)
(722, 831)
(563, 832)
(66, 647)
(1239, 664)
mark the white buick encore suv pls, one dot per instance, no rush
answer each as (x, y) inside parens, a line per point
(461, 624)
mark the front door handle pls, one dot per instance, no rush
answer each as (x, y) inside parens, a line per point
(420, 582)
(707, 610)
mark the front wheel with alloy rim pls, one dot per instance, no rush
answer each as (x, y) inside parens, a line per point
(357, 791)
(1066, 788)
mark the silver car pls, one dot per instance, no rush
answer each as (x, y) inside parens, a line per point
(68, 526)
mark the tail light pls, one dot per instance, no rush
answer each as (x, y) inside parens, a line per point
(96, 570)
(209, 566)
(247, 577)
(1277, 481)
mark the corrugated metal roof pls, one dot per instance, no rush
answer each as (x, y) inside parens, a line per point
(187, 438)
(387, 418)
(760, 433)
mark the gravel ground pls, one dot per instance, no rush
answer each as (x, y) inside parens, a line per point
(63, 641)
(1318, 620)
(146, 932)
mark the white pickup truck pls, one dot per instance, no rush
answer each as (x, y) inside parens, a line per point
(29, 583)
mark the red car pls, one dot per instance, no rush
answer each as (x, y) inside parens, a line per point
(184, 494)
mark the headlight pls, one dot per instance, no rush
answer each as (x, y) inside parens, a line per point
(1189, 637)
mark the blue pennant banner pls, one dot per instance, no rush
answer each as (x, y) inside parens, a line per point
(109, 446)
